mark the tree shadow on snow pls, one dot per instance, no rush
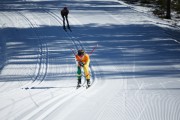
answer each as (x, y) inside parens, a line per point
(120, 49)
(18, 5)
(133, 50)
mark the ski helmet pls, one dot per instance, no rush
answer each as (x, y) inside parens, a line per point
(81, 52)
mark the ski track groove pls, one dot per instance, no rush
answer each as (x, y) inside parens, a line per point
(43, 54)
(74, 39)
(35, 32)
(15, 72)
(39, 74)
(54, 102)
(77, 43)
(20, 100)
(40, 113)
(51, 105)
(46, 54)
(3, 48)
(65, 99)
(38, 109)
(55, 105)
(6, 62)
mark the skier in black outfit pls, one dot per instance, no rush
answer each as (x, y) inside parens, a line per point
(64, 14)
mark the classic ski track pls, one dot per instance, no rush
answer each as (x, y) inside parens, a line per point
(39, 74)
(43, 51)
(29, 96)
(22, 99)
(3, 48)
(51, 105)
(54, 103)
(60, 22)
(5, 61)
(35, 32)
(38, 105)
(14, 102)
(15, 72)
(77, 43)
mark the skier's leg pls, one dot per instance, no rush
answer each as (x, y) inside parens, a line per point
(63, 22)
(86, 72)
(67, 22)
(79, 75)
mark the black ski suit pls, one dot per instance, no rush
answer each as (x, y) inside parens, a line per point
(64, 14)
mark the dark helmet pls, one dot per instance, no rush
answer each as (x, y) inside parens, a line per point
(81, 52)
(65, 8)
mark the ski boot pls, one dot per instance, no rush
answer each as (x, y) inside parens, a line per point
(79, 83)
(64, 27)
(69, 28)
(88, 83)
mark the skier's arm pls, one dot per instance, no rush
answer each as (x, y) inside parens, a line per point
(79, 61)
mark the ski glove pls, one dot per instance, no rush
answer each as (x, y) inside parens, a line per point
(81, 64)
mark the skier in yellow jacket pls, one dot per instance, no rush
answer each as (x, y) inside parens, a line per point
(83, 61)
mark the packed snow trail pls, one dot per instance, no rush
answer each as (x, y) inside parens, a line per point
(135, 70)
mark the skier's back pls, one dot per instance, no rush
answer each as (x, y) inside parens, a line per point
(64, 14)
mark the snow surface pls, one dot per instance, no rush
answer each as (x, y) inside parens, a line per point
(135, 71)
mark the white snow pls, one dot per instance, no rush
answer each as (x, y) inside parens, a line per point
(135, 71)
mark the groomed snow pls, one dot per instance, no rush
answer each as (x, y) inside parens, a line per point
(135, 70)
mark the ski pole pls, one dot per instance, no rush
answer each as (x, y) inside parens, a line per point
(73, 52)
(89, 53)
(93, 49)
